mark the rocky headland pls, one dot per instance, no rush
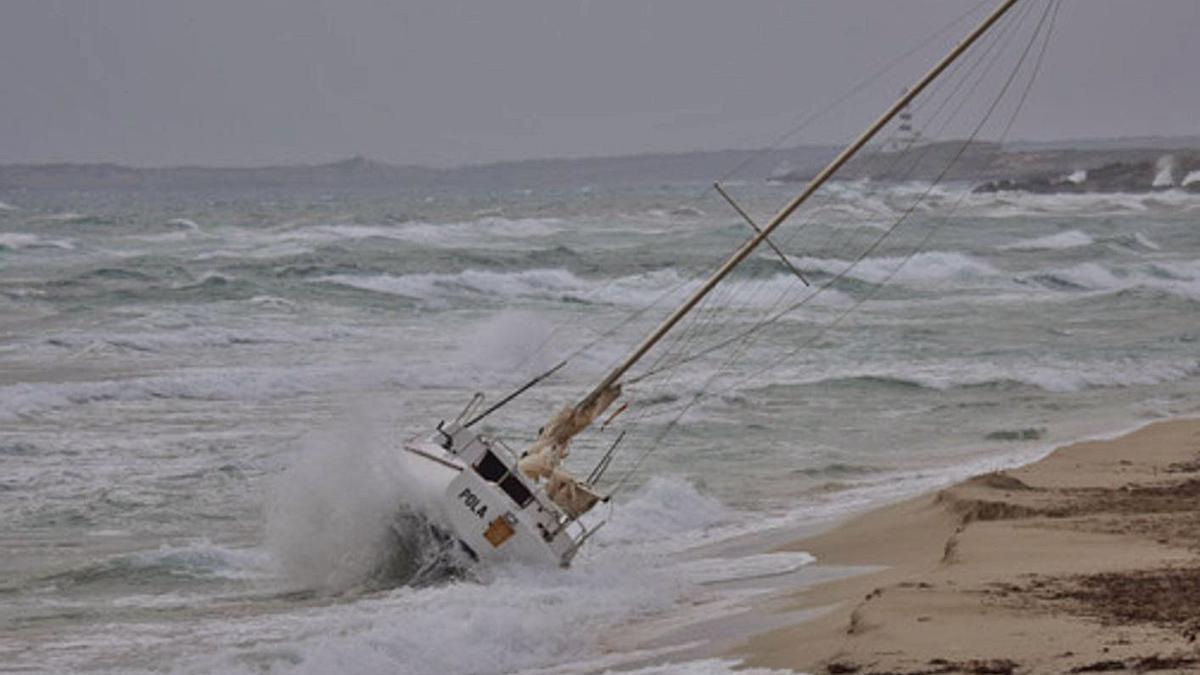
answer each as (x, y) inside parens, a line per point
(990, 167)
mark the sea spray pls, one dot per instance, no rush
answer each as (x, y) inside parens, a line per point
(1164, 172)
(509, 342)
(516, 617)
(351, 510)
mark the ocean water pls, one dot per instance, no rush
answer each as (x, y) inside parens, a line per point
(202, 398)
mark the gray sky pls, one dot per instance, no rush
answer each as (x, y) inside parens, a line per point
(236, 82)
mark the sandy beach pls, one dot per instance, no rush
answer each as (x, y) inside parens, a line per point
(1085, 561)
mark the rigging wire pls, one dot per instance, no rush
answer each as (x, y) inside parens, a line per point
(904, 216)
(1051, 5)
(743, 345)
(757, 155)
(868, 159)
(774, 314)
(934, 229)
(675, 353)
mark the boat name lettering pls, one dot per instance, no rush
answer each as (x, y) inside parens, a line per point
(473, 502)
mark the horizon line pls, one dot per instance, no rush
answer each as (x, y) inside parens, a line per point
(359, 157)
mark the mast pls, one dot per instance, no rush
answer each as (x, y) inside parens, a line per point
(825, 174)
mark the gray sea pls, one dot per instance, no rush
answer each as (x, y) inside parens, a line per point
(202, 398)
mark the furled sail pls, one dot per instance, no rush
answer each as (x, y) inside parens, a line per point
(542, 459)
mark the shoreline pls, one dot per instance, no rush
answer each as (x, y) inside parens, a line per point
(1086, 559)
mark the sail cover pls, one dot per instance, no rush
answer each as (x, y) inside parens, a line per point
(552, 447)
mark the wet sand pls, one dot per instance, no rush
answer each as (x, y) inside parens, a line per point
(1086, 561)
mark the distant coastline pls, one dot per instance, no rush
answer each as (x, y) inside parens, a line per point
(363, 173)
(1133, 164)
(990, 167)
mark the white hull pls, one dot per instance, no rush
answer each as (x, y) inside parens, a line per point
(494, 511)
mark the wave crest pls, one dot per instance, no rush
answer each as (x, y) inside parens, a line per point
(1053, 242)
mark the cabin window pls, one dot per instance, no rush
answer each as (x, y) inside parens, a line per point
(517, 490)
(490, 467)
(493, 470)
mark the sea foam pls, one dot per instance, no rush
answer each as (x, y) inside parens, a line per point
(929, 266)
(488, 229)
(639, 290)
(1051, 376)
(27, 399)
(22, 240)
(1178, 278)
(1053, 242)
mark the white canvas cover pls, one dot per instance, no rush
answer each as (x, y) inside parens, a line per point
(542, 459)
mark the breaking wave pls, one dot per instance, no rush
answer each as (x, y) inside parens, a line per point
(26, 399)
(354, 492)
(481, 232)
(1084, 276)
(863, 202)
(66, 217)
(564, 286)
(15, 241)
(552, 283)
(1180, 278)
(352, 511)
(198, 336)
(664, 507)
(197, 561)
(1095, 204)
(1047, 376)
(1134, 241)
(1164, 172)
(1054, 242)
(931, 266)
(184, 223)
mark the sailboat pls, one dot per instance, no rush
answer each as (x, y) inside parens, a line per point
(504, 505)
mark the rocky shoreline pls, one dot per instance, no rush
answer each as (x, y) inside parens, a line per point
(993, 168)
(1170, 171)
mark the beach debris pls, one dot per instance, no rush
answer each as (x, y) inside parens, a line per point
(1184, 467)
(988, 666)
(1145, 664)
(1099, 667)
(937, 666)
(1165, 597)
(1156, 662)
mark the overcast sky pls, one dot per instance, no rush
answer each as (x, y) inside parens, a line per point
(237, 82)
